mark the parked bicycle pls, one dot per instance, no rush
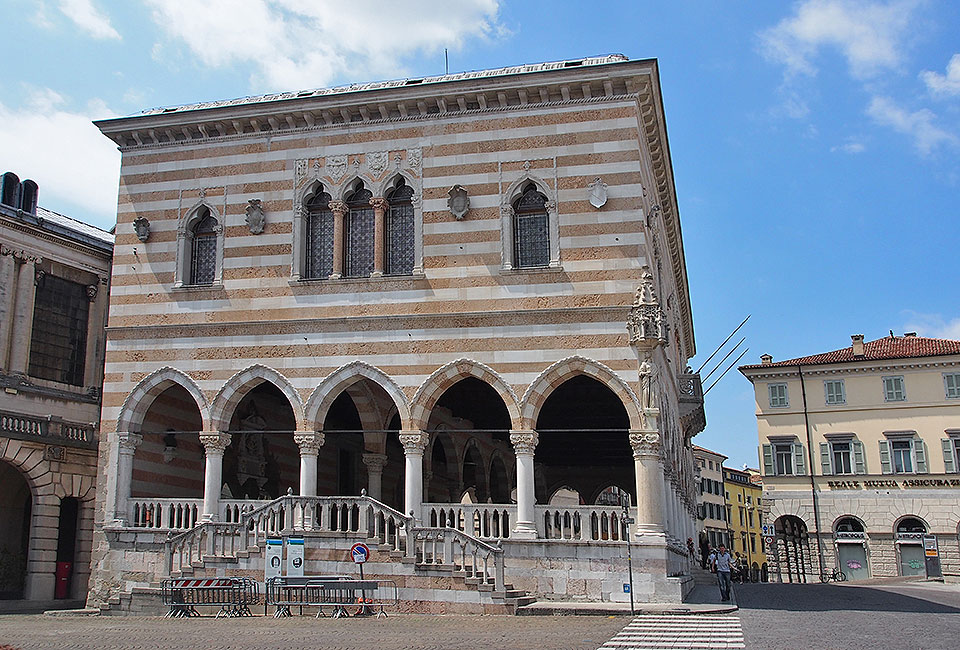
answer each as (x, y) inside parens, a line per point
(837, 576)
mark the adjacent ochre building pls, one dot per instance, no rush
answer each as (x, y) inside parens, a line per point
(859, 451)
(744, 501)
(464, 296)
(54, 274)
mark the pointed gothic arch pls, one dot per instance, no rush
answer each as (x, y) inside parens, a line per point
(541, 388)
(138, 402)
(446, 376)
(199, 212)
(240, 384)
(342, 378)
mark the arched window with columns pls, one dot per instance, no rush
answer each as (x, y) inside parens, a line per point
(203, 249)
(318, 261)
(359, 233)
(399, 235)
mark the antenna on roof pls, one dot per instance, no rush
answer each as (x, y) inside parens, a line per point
(446, 62)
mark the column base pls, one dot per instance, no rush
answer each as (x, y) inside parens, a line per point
(649, 537)
(524, 530)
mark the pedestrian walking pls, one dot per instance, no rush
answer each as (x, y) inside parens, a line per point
(704, 550)
(721, 563)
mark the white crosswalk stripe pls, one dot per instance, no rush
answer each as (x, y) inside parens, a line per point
(650, 632)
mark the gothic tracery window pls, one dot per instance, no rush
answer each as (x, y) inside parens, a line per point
(531, 231)
(359, 227)
(399, 233)
(203, 253)
(319, 237)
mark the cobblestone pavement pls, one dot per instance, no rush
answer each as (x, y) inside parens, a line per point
(408, 632)
(672, 632)
(904, 616)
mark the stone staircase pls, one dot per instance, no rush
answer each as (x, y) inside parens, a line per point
(432, 566)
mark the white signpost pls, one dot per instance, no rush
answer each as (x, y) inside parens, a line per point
(295, 549)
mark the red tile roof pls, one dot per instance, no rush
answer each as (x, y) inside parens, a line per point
(890, 347)
(709, 451)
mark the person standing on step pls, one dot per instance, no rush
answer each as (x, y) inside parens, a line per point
(721, 563)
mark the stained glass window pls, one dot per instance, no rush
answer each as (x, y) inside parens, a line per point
(58, 345)
(359, 229)
(203, 258)
(319, 236)
(531, 233)
(399, 230)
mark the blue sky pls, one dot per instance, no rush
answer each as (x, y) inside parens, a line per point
(816, 144)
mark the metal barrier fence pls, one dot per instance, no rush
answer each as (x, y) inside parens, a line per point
(233, 596)
(336, 592)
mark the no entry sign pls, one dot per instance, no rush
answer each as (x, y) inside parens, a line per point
(360, 553)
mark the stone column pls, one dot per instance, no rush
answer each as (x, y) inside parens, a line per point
(27, 279)
(8, 282)
(375, 464)
(524, 446)
(118, 502)
(380, 207)
(649, 475)
(339, 209)
(214, 443)
(414, 442)
(309, 443)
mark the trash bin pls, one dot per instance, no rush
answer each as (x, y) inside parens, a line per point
(62, 588)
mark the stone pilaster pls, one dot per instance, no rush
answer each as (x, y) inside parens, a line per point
(125, 446)
(525, 446)
(214, 443)
(8, 283)
(27, 278)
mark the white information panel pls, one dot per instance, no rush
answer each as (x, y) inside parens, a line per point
(295, 556)
(273, 558)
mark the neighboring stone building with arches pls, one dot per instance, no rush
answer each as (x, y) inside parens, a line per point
(467, 299)
(54, 272)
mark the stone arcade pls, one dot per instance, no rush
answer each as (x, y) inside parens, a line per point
(400, 312)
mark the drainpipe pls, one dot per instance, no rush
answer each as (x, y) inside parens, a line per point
(813, 483)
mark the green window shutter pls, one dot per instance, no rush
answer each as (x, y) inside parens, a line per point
(858, 458)
(768, 460)
(885, 465)
(920, 455)
(825, 465)
(799, 465)
(948, 461)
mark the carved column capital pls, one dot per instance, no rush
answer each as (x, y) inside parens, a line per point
(92, 290)
(128, 441)
(524, 442)
(309, 442)
(375, 461)
(215, 442)
(338, 207)
(379, 203)
(506, 210)
(645, 444)
(414, 442)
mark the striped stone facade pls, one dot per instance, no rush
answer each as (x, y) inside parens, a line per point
(396, 343)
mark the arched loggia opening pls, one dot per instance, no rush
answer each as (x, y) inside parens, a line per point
(168, 463)
(340, 467)
(472, 416)
(262, 461)
(16, 509)
(792, 548)
(583, 428)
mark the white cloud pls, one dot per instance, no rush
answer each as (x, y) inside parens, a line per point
(62, 151)
(933, 325)
(919, 125)
(308, 43)
(89, 18)
(868, 34)
(948, 84)
(851, 146)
